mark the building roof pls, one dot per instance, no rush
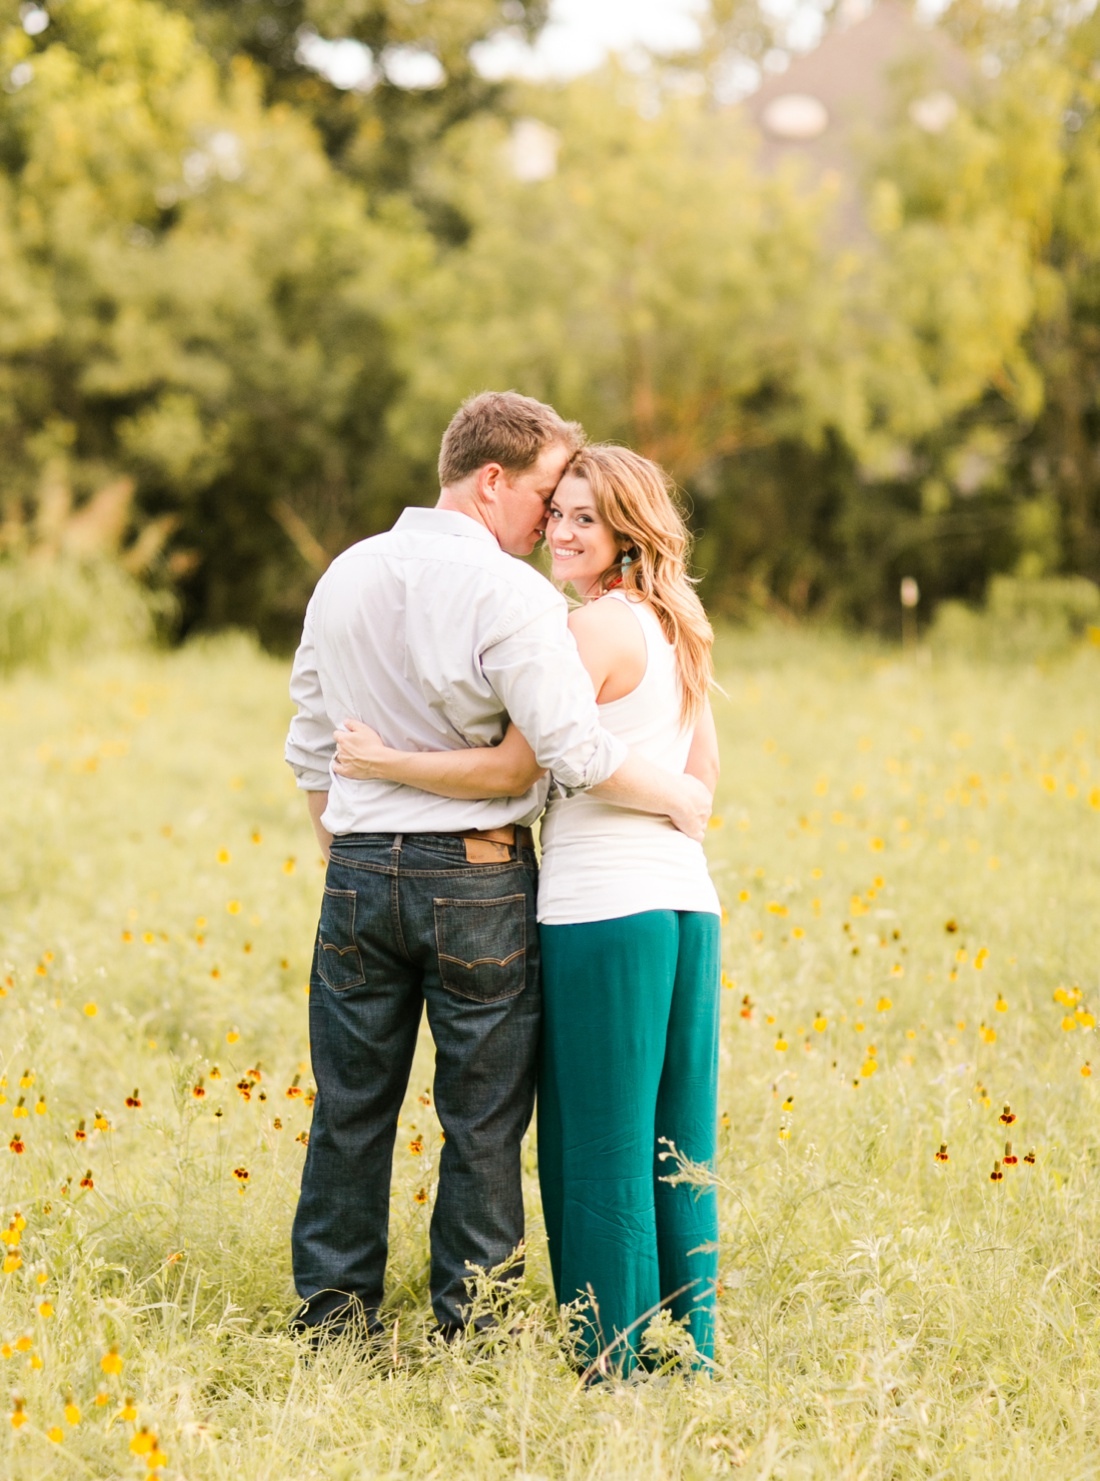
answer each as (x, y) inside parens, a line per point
(831, 102)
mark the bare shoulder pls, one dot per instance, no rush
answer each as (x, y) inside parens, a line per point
(607, 621)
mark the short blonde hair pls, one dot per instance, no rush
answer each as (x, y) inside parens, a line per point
(502, 427)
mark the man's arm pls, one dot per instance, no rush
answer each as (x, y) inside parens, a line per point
(318, 801)
(309, 743)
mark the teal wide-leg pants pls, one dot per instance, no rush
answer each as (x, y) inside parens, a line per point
(630, 1056)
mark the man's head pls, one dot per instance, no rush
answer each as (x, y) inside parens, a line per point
(501, 459)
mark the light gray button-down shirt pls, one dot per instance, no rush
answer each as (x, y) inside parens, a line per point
(435, 637)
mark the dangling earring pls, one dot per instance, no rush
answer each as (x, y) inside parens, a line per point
(627, 560)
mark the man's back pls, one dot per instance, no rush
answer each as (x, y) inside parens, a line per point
(416, 632)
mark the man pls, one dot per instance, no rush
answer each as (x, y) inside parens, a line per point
(435, 636)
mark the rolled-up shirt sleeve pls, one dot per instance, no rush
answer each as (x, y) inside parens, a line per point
(538, 676)
(309, 743)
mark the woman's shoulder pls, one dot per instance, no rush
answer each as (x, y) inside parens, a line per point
(611, 641)
(608, 614)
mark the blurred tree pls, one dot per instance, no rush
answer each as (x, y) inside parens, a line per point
(192, 295)
(406, 71)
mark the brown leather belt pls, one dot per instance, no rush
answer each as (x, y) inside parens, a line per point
(493, 845)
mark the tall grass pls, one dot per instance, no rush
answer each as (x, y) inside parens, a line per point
(59, 608)
(907, 854)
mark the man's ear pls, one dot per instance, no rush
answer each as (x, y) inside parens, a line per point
(489, 478)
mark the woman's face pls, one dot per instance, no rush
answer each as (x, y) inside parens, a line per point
(582, 546)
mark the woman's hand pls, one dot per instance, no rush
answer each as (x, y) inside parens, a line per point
(360, 753)
(692, 808)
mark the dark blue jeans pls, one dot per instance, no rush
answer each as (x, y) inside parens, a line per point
(407, 921)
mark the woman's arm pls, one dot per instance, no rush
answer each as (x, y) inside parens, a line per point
(702, 761)
(507, 770)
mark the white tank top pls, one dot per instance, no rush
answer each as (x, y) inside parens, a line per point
(600, 862)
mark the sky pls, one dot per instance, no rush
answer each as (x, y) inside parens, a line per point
(581, 33)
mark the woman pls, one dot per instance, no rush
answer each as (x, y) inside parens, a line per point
(628, 924)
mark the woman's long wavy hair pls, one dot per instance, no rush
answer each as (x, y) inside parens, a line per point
(635, 498)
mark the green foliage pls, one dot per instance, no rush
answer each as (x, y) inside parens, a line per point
(1023, 618)
(260, 297)
(55, 609)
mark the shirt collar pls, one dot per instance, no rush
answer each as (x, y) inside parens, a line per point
(443, 522)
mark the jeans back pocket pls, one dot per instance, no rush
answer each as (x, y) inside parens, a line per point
(482, 947)
(338, 959)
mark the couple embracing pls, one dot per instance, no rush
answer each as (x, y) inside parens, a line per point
(447, 699)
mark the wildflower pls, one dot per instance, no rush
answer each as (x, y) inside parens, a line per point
(86, 1181)
(996, 1175)
(1010, 1159)
(788, 1104)
(942, 1154)
(16, 1145)
(35, 1362)
(1069, 1023)
(110, 1362)
(981, 959)
(45, 1309)
(1086, 1069)
(256, 836)
(55, 1433)
(245, 1088)
(775, 908)
(101, 1123)
(724, 1121)
(1084, 1017)
(241, 1174)
(821, 1023)
(12, 1262)
(198, 1090)
(416, 1146)
(989, 1035)
(781, 1043)
(1029, 1157)
(223, 856)
(156, 1458)
(784, 1133)
(134, 1101)
(303, 1137)
(868, 1068)
(288, 867)
(746, 1006)
(215, 1073)
(102, 1399)
(883, 1005)
(951, 927)
(80, 1134)
(18, 1417)
(232, 1036)
(1000, 1006)
(40, 1106)
(24, 1344)
(127, 937)
(263, 1096)
(310, 1097)
(19, 1110)
(127, 1411)
(1007, 1116)
(90, 1010)
(143, 1442)
(277, 1124)
(72, 1413)
(293, 1092)
(254, 1075)
(420, 1196)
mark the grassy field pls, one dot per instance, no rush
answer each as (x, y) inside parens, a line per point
(907, 853)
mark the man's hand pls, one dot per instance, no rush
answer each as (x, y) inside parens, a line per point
(691, 811)
(359, 752)
(318, 801)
